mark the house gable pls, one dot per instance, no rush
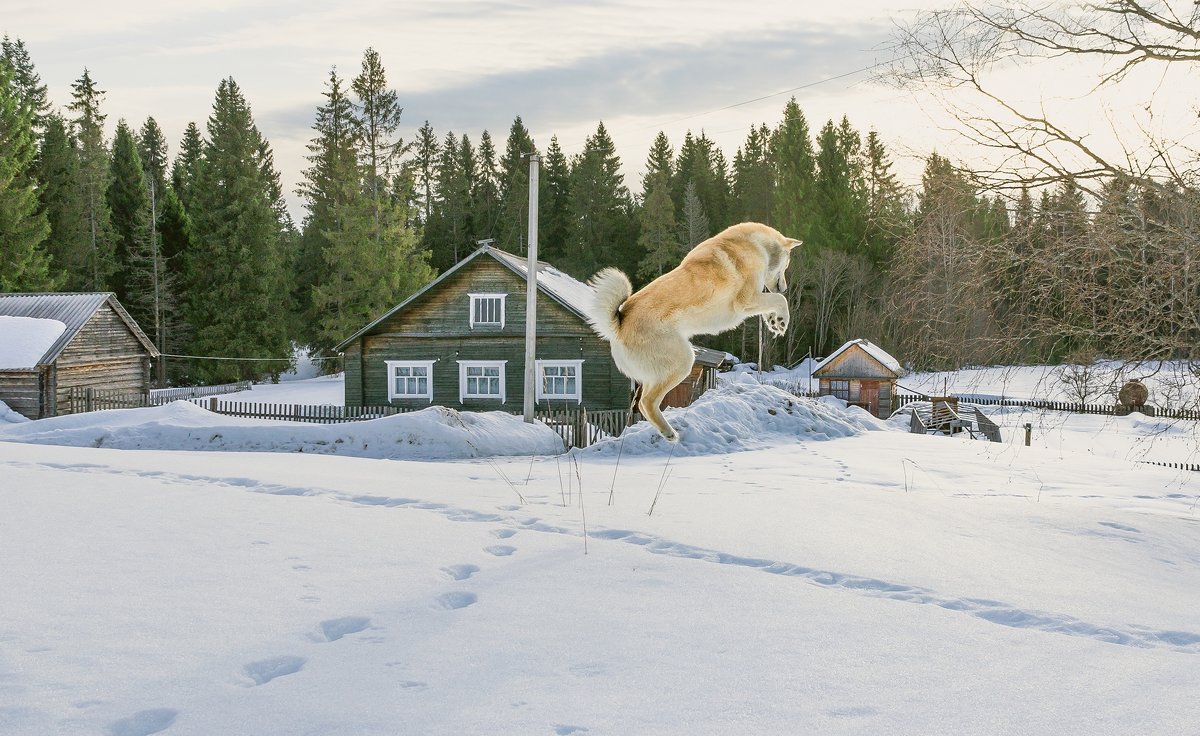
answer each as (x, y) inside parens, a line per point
(446, 309)
(855, 360)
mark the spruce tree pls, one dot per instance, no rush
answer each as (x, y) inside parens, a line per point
(702, 164)
(88, 127)
(28, 85)
(62, 199)
(185, 170)
(238, 302)
(885, 202)
(512, 229)
(152, 148)
(554, 191)
(659, 238)
(425, 158)
(753, 178)
(795, 174)
(330, 184)
(840, 208)
(660, 160)
(24, 264)
(128, 204)
(601, 211)
(485, 195)
(447, 236)
(693, 225)
(378, 112)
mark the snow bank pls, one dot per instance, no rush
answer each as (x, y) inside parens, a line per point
(8, 416)
(433, 433)
(742, 414)
(25, 340)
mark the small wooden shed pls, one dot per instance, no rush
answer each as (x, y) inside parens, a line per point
(89, 341)
(861, 373)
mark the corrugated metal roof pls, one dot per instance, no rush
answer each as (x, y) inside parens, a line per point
(73, 310)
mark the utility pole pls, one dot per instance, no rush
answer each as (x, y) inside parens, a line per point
(531, 292)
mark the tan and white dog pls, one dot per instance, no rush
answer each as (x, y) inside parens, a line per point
(735, 274)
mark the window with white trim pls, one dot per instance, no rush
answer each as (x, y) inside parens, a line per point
(481, 379)
(487, 310)
(560, 379)
(410, 379)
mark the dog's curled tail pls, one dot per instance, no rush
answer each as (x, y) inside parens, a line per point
(610, 289)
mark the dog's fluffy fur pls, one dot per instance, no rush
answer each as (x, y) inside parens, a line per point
(718, 284)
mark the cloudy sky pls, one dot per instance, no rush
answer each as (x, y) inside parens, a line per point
(464, 65)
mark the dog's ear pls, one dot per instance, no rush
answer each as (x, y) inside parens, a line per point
(792, 243)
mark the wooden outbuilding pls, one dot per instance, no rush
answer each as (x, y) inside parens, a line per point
(861, 373)
(460, 342)
(89, 341)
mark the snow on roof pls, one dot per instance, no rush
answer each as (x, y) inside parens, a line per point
(871, 349)
(567, 289)
(24, 341)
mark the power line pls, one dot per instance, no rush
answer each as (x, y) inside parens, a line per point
(250, 360)
(767, 97)
(760, 98)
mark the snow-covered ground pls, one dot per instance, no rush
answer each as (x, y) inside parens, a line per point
(806, 569)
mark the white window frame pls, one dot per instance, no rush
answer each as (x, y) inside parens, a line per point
(463, 394)
(392, 365)
(542, 365)
(475, 299)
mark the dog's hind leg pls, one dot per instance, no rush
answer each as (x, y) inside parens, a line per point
(654, 393)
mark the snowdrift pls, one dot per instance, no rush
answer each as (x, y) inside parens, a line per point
(9, 416)
(742, 414)
(433, 433)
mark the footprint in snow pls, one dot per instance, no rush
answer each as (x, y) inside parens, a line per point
(460, 572)
(455, 600)
(500, 550)
(562, 729)
(336, 628)
(265, 670)
(144, 722)
(503, 533)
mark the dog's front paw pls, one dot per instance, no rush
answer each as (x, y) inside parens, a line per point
(777, 324)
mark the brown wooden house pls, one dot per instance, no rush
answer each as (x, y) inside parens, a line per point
(862, 374)
(460, 342)
(98, 346)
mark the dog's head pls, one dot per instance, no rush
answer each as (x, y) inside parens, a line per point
(779, 255)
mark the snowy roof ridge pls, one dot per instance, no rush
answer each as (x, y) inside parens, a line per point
(566, 289)
(884, 357)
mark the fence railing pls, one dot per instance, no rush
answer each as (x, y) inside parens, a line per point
(167, 395)
(1065, 406)
(577, 427)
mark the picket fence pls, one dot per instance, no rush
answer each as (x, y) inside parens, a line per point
(578, 427)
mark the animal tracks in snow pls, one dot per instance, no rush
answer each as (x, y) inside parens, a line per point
(992, 611)
(996, 612)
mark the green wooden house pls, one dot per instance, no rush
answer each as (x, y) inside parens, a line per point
(460, 342)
